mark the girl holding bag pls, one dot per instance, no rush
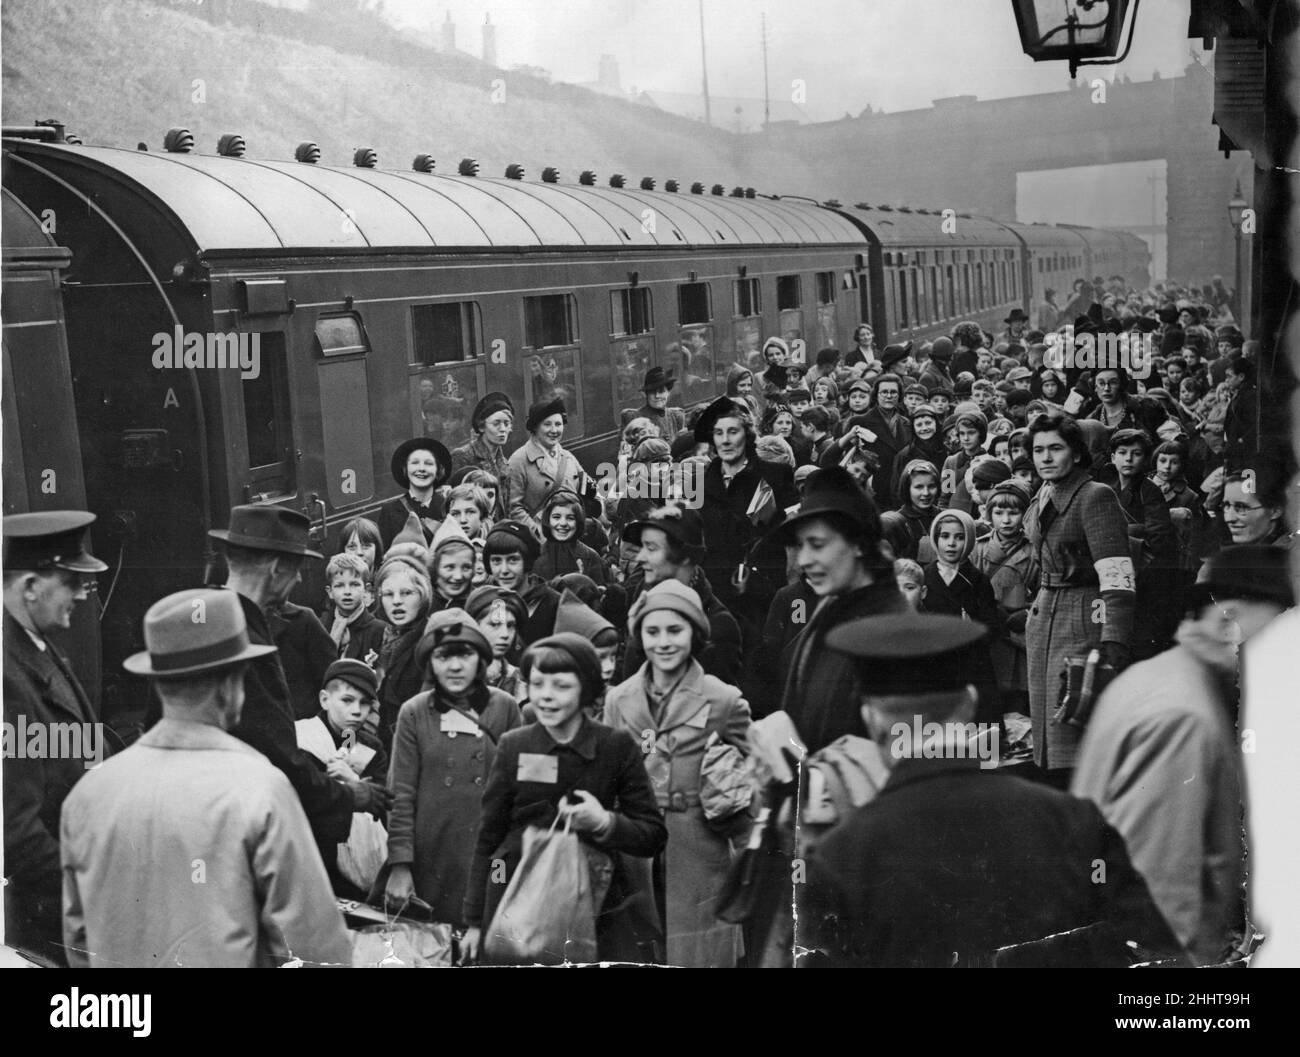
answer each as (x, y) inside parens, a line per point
(569, 765)
(685, 710)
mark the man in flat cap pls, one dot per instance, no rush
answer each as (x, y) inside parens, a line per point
(47, 572)
(954, 862)
(265, 547)
(190, 848)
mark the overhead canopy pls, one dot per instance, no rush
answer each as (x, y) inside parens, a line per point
(251, 204)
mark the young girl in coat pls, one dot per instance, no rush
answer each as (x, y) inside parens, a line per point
(954, 586)
(563, 524)
(569, 765)
(404, 591)
(443, 747)
(672, 697)
(499, 614)
(918, 484)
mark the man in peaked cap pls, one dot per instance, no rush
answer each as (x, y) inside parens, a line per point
(1162, 760)
(657, 385)
(190, 848)
(952, 864)
(265, 547)
(47, 572)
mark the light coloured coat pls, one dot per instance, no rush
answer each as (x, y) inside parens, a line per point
(191, 849)
(530, 484)
(698, 855)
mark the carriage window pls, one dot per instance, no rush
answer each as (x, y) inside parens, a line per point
(789, 292)
(443, 400)
(690, 358)
(936, 303)
(551, 319)
(965, 288)
(347, 447)
(749, 300)
(630, 311)
(551, 374)
(340, 336)
(950, 288)
(694, 303)
(826, 288)
(447, 333)
(267, 422)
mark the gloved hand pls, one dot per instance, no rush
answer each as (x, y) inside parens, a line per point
(369, 797)
(1115, 654)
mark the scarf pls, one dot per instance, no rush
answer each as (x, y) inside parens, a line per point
(340, 630)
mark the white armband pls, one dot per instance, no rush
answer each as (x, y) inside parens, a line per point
(1115, 574)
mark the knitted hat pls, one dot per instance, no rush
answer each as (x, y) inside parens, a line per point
(412, 532)
(653, 449)
(990, 472)
(1011, 487)
(574, 615)
(449, 533)
(673, 595)
(941, 350)
(586, 663)
(963, 519)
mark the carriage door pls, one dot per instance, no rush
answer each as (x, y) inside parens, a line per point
(268, 424)
(789, 312)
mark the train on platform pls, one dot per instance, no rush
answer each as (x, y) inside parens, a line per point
(184, 332)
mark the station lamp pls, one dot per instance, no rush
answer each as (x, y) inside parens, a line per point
(1074, 30)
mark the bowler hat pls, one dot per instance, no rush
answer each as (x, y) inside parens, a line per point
(355, 673)
(55, 539)
(440, 454)
(657, 378)
(1017, 316)
(199, 630)
(268, 528)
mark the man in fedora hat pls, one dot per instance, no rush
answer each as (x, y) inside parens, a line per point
(47, 572)
(265, 547)
(1162, 760)
(1016, 323)
(190, 848)
(670, 420)
(954, 863)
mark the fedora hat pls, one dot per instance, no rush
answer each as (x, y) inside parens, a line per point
(199, 630)
(1017, 316)
(268, 528)
(403, 452)
(832, 493)
(657, 378)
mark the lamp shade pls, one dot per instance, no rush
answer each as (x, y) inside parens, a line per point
(1052, 30)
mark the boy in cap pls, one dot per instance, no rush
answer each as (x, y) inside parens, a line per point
(190, 847)
(1162, 760)
(47, 572)
(953, 863)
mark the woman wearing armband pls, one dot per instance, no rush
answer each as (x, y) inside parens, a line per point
(1086, 597)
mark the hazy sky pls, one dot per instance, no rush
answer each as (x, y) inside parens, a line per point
(891, 54)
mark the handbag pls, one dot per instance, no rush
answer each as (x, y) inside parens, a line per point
(726, 788)
(547, 915)
(1082, 681)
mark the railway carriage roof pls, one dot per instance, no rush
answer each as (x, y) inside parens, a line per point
(251, 204)
(1045, 238)
(909, 227)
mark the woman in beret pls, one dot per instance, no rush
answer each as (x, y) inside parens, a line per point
(492, 421)
(419, 466)
(541, 467)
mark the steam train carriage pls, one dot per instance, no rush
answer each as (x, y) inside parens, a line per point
(337, 311)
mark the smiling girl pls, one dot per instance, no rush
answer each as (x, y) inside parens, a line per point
(542, 466)
(566, 764)
(419, 466)
(672, 699)
(563, 523)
